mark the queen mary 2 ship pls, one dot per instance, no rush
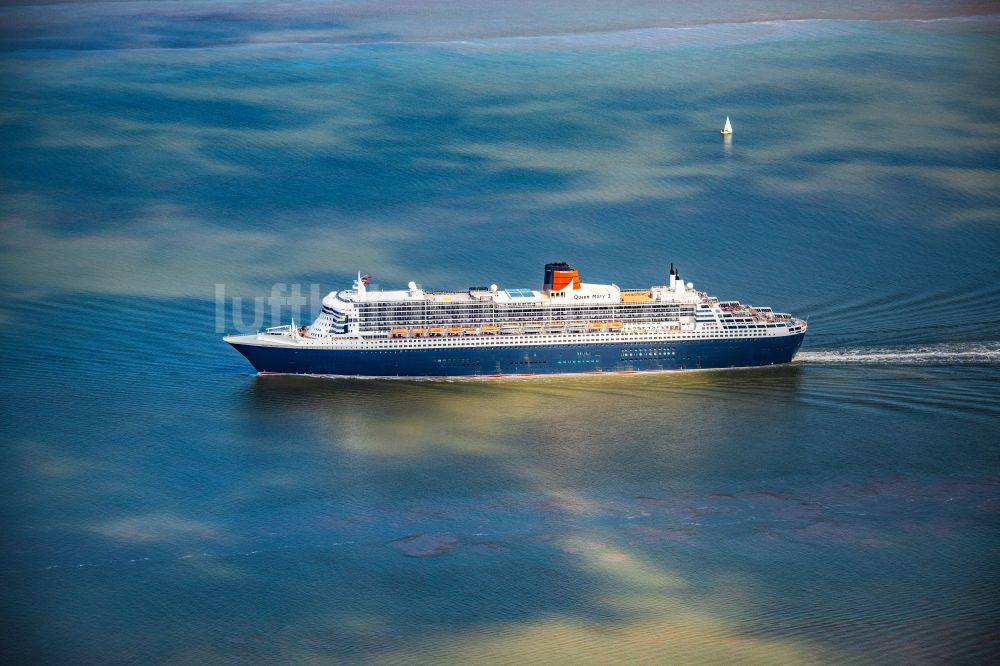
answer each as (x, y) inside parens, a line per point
(565, 327)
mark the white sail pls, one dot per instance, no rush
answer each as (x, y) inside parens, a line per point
(728, 127)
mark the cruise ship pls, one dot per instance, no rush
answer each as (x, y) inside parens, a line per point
(567, 326)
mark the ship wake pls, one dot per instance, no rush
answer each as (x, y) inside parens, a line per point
(981, 353)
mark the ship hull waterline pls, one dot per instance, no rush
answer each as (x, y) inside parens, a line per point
(611, 357)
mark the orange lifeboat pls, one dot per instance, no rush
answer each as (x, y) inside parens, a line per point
(470, 330)
(418, 331)
(616, 325)
(399, 332)
(596, 326)
(455, 330)
(489, 328)
(436, 330)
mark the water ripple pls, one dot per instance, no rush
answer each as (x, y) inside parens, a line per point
(987, 353)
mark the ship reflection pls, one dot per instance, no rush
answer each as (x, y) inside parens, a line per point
(565, 430)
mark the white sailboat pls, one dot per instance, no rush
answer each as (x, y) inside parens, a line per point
(727, 129)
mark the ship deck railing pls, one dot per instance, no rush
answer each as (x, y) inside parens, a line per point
(583, 329)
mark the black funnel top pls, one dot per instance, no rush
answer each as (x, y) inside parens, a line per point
(550, 269)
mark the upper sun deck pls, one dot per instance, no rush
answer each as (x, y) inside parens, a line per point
(562, 288)
(610, 295)
(473, 295)
(370, 295)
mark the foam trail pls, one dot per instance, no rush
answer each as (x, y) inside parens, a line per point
(987, 353)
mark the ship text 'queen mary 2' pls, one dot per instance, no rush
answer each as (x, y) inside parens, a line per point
(566, 327)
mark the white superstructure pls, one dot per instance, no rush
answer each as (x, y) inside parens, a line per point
(564, 311)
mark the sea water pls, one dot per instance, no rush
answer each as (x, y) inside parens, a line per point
(161, 503)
